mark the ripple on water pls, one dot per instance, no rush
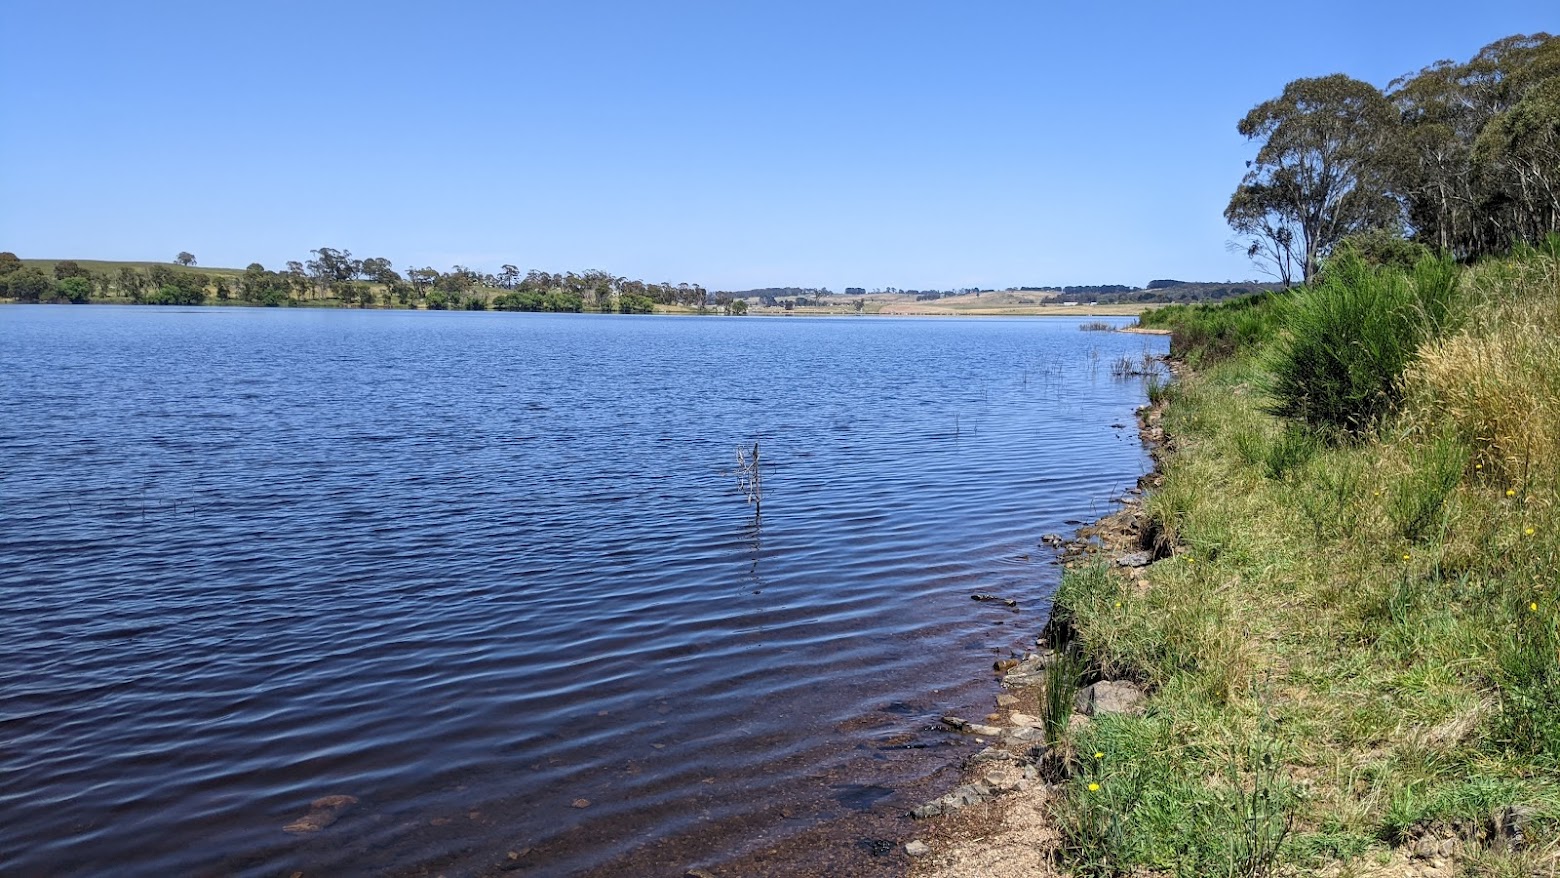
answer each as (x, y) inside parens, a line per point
(468, 569)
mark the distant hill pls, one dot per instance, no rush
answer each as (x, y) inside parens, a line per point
(1157, 291)
(101, 266)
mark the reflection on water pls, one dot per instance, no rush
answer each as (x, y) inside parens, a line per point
(490, 576)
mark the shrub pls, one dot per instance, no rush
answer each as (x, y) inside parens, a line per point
(1339, 364)
(1206, 334)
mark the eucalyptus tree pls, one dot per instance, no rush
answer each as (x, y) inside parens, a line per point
(1321, 173)
(1481, 163)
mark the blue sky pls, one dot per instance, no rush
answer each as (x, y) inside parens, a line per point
(731, 144)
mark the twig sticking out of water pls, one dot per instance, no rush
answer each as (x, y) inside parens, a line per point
(750, 478)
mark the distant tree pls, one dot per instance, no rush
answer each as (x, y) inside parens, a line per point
(28, 284)
(9, 263)
(185, 258)
(1328, 145)
(373, 267)
(330, 267)
(69, 268)
(508, 276)
(74, 290)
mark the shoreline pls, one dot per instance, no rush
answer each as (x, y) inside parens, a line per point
(997, 823)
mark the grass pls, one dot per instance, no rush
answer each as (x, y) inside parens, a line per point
(1356, 644)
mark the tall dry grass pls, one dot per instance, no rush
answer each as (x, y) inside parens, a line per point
(1498, 380)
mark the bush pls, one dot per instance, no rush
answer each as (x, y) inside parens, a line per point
(1205, 334)
(1338, 366)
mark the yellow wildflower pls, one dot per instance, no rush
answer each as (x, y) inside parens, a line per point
(1407, 557)
(1098, 755)
(1094, 787)
(1511, 492)
(1532, 606)
(1529, 531)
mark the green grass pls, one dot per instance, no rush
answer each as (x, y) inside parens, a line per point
(1354, 644)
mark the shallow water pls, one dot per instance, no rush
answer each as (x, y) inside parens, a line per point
(492, 576)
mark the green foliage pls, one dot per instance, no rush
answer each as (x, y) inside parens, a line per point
(67, 268)
(533, 300)
(172, 294)
(1380, 248)
(72, 290)
(28, 285)
(1419, 500)
(1320, 174)
(1140, 797)
(1529, 677)
(9, 263)
(1205, 334)
(1338, 367)
(1061, 680)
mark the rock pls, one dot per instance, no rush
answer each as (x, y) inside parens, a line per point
(1001, 665)
(1024, 719)
(963, 797)
(1027, 735)
(1052, 539)
(955, 723)
(1110, 696)
(1135, 559)
(1431, 848)
(984, 731)
(917, 849)
(1513, 826)
(322, 812)
(698, 873)
(1006, 779)
(580, 803)
(1006, 700)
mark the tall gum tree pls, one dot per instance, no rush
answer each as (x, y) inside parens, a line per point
(1319, 176)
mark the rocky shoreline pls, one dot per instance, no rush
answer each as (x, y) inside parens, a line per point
(996, 823)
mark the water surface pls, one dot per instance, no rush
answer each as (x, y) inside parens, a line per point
(492, 576)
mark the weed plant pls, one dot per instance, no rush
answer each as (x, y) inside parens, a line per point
(1337, 366)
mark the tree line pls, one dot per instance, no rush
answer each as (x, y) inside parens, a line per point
(1462, 158)
(336, 277)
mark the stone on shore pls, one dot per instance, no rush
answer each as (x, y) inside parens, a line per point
(1110, 696)
(1135, 559)
(917, 849)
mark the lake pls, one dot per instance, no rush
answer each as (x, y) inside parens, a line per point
(493, 577)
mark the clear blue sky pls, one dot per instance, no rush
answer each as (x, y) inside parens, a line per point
(732, 144)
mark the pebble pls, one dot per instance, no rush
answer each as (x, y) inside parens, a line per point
(917, 849)
(581, 803)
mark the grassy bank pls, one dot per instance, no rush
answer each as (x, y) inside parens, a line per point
(1354, 643)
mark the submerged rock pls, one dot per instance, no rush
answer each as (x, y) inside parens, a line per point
(322, 812)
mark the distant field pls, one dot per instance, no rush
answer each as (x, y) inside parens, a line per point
(105, 267)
